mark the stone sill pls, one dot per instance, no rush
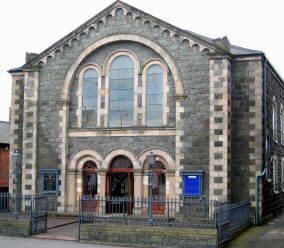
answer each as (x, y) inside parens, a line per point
(124, 131)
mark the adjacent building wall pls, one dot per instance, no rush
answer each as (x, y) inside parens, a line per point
(273, 201)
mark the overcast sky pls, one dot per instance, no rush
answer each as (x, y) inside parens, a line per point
(34, 25)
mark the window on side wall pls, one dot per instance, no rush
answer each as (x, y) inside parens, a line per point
(274, 120)
(275, 175)
(282, 125)
(282, 174)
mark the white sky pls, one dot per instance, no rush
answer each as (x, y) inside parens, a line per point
(34, 25)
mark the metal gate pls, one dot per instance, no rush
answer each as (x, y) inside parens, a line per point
(39, 214)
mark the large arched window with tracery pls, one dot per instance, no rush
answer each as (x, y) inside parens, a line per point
(90, 98)
(121, 92)
(154, 95)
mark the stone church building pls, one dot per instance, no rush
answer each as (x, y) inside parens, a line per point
(88, 110)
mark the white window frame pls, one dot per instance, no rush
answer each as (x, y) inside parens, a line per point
(274, 119)
(80, 92)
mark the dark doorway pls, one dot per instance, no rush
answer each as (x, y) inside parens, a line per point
(159, 188)
(120, 187)
(90, 184)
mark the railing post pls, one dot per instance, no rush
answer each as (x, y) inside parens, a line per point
(150, 200)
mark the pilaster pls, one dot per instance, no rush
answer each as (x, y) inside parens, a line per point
(16, 121)
(220, 128)
(179, 143)
(30, 127)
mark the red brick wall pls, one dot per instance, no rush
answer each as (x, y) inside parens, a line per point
(4, 166)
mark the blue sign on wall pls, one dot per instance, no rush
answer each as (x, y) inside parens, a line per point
(192, 183)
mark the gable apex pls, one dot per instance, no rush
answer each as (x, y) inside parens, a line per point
(187, 38)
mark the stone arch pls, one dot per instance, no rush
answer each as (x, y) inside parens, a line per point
(74, 177)
(77, 160)
(163, 156)
(123, 37)
(108, 159)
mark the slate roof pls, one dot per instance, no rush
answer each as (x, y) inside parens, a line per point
(4, 132)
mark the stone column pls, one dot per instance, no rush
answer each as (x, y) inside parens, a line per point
(72, 201)
(220, 128)
(138, 190)
(62, 154)
(102, 174)
(30, 127)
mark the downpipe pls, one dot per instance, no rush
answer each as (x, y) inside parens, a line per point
(257, 197)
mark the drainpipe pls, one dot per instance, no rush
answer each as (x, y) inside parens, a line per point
(265, 145)
(257, 197)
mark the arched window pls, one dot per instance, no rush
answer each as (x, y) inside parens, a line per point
(154, 97)
(121, 92)
(90, 98)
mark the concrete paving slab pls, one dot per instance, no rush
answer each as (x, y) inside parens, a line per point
(269, 235)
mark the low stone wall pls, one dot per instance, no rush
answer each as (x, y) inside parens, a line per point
(13, 227)
(148, 236)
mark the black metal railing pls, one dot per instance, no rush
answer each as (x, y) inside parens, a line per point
(231, 218)
(30, 207)
(135, 211)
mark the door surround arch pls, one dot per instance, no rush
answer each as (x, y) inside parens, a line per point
(74, 177)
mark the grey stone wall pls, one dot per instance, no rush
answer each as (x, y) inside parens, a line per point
(21, 228)
(149, 236)
(105, 145)
(194, 69)
(240, 129)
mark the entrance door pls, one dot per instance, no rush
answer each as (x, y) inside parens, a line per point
(90, 185)
(120, 186)
(159, 188)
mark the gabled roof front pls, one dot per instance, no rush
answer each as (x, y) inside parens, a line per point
(205, 44)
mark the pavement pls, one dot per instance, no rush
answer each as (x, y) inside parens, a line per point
(269, 235)
(68, 232)
(16, 242)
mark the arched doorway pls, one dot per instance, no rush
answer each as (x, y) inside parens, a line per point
(90, 179)
(90, 185)
(120, 185)
(159, 187)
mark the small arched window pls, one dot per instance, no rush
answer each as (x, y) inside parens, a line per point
(121, 92)
(154, 95)
(90, 98)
